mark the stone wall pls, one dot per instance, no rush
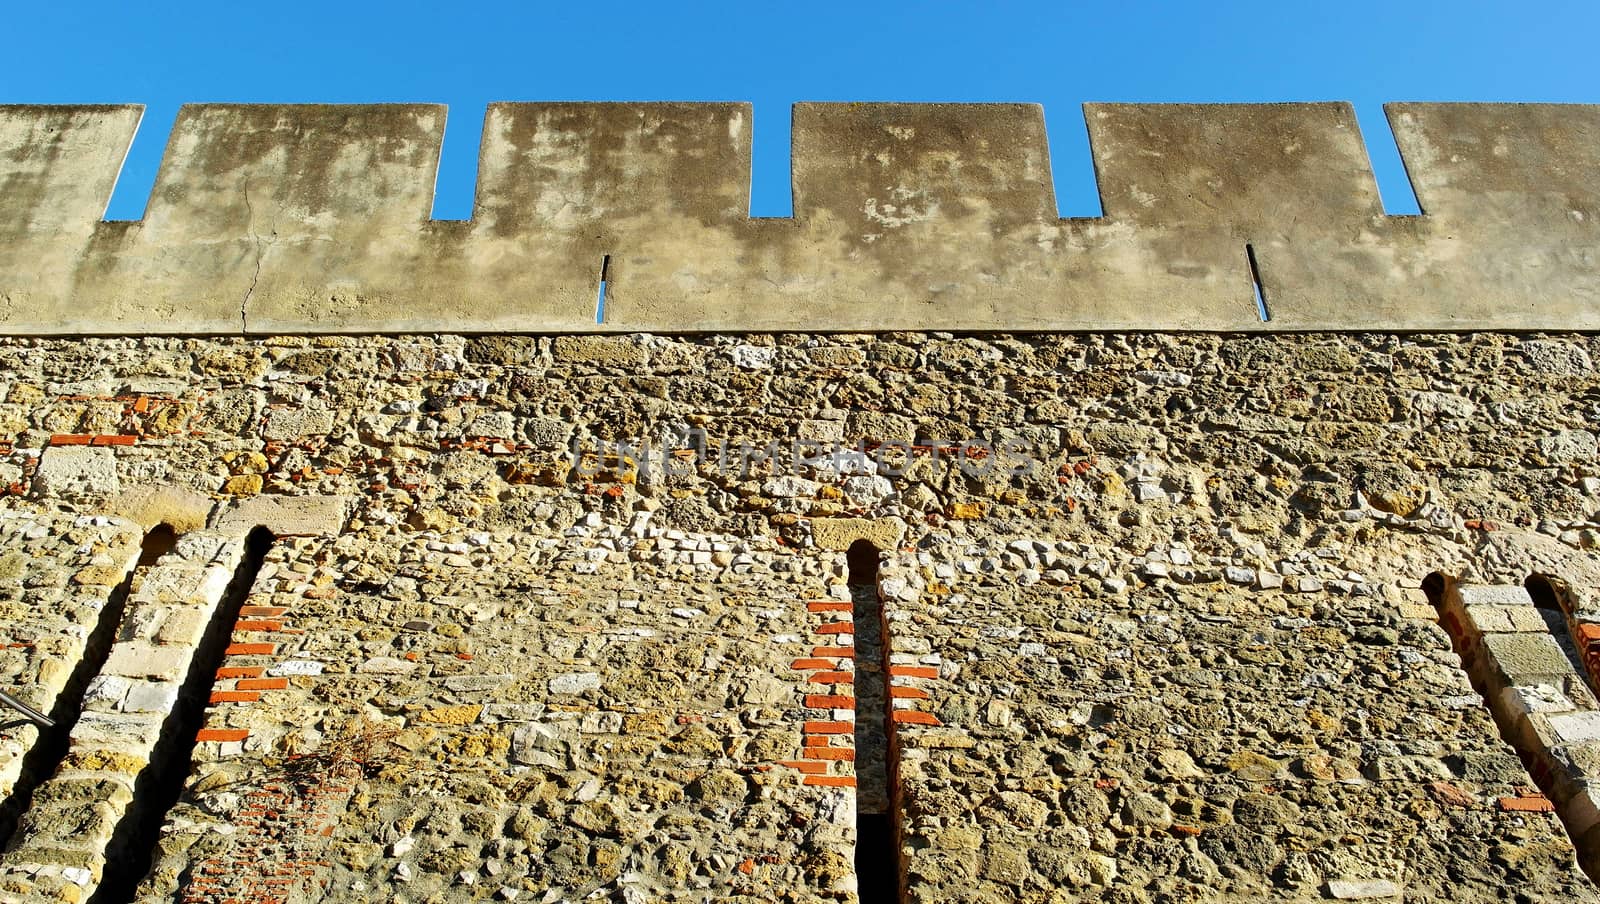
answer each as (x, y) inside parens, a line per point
(1154, 621)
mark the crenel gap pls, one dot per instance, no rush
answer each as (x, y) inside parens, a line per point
(51, 747)
(877, 860)
(132, 847)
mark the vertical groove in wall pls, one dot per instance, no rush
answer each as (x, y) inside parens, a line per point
(132, 847)
(877, 859)
(51, 748)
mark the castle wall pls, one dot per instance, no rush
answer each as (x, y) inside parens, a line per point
(1153, 617)
(313, 219)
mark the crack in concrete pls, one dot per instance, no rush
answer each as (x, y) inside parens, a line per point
(244, 303)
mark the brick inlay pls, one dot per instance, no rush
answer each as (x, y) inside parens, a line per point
(828, 745)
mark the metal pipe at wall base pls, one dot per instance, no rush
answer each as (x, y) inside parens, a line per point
(33, 715)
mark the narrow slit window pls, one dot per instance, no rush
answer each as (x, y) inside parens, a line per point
(877, 859)
(1255, 283)
(600, 298)
(133, 844)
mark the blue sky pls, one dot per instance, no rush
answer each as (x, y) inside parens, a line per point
(1058, 54)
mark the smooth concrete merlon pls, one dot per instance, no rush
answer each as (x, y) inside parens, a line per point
(315, 219)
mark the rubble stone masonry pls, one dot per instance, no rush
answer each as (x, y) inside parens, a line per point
(1155, 614)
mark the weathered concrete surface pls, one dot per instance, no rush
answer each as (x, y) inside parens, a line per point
(314, 219)
(1511, 200)
(58, 166)
(309, 208)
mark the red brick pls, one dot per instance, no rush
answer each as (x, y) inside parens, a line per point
(898, 693)
(829, 753)
(913, 671)
(828, 606)
(1527, 804)
(221, 734)
(830, 781)
(258, 624)
(251, 649)
(830, 701)
(262, 611)
(828, 727)
(838, 627)
(914, 717)
(804, 766)
(112, 440)
(812, 664)
(818, 740)
(832, 678)
(70, 439)
(834, 652)
(241, 671)
(262, 684)
(234, 697)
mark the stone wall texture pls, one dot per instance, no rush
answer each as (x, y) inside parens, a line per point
(536, 625)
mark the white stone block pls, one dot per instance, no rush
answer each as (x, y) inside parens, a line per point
(1362, 889)
(151, 697)
(139, 659)
(1576, 728)
(575, 683)
(131, 733)
(1538, 698)
(1493, 595)
(68, 471)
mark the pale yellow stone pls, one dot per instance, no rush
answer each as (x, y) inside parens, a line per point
(839, 533)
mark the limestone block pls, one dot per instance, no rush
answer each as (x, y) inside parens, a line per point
(1581, 811)
(180, 583)
(1568, 445)
(180, 508)
(141, 659)
(839, 533)
(105, 693)
(142, 621)
(68, 471)
(1362, 889)
(1527, 658)
(575, 683)
(1493, 595)
(209, 547)
(284, 516)
(1538, 698)
(1491, 619)
(294, 423)
(151, 697)
(1576, 728)
(603, 351)
(1525, 619)
(134, 733)
(184, 626)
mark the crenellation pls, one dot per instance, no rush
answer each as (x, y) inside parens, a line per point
(314, 219)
